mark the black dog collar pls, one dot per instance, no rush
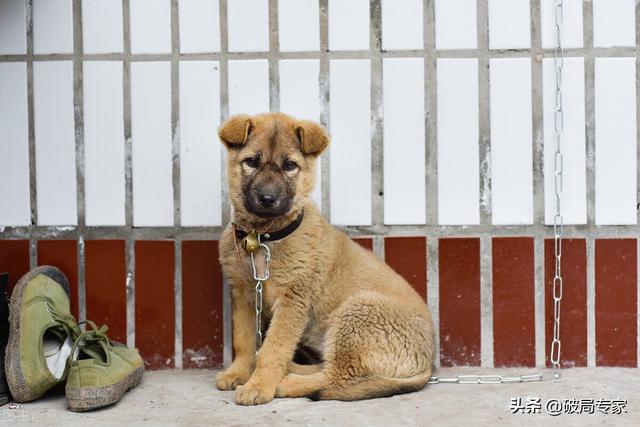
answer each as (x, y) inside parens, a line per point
(272, 236)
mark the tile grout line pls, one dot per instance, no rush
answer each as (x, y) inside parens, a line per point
(589, 92)
(376, 117)
(537, 108)
(227, 349)
(486, 273)
(484, 113)
(78, 104)
(431, 174)
(539, 303)
(537, 100)
(587, 13)
(274, 47)
(33, 243)
(591, 302)
(129, 231)
(609, 52)
(637, 57)
(433, 293)
(325, 111)
(430, 110)
(178, 302)
(175, 161)
(486, 302)
(214, 232)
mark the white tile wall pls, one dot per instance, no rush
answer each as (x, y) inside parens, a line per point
(248, 22)
(13, 27)
(250, 90)
(511, 141)
(249, 86)
(102, 26)
(52, 26)
(199, 26)
(200, 174)
(300, 97)
(458, 142)
(55, 143)
(14, 145)
(350, 149)
(404, 141)
(151, 144)
(299, 25)
(571, 24)
(614, 23)
(103, 143)
(300, 88)
(402, 24)
(574, 196)
(150, 26)
(616, 137)
(349, 25)
(509, 24)
(456, 26)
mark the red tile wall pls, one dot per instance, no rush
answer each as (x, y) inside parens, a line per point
(573, 332)
(365, 242)
(14, 259)
(408, 257)
(514, 335)
(64, 255)
(155, 302)
(459, 288)
(459, 267)
(616, 302)
(202, 318)
(105, 285)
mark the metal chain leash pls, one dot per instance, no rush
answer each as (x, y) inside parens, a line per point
(554, 352)
(558, 62)
(259, 287)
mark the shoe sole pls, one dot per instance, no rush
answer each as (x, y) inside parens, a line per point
(15, 377)
(84, 399)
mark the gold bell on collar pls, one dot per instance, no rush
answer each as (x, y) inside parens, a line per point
(250, 242)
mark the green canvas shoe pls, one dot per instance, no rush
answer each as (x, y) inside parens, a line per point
(100, 371)
(41, 333)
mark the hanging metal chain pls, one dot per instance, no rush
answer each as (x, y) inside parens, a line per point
(260, 278)
(558, 62)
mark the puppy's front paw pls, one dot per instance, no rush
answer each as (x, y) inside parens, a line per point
(230, 379)
(254, 394)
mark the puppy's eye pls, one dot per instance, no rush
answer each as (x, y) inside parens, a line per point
(252, 162)
(289, 165)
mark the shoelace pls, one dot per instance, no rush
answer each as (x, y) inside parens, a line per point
(67, 324)
(92, 342)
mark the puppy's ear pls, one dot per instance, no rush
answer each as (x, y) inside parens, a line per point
(235, 131)
(313, 137)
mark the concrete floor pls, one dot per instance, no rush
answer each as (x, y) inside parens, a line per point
(190, 398)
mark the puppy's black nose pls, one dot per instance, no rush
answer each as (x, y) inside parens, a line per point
(267, 200)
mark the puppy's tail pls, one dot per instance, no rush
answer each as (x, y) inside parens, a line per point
(372, 387)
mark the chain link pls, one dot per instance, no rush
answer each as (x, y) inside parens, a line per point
(485, 379)
(558, 62)
(259, 287)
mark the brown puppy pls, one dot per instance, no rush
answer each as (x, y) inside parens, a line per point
(373, 330)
